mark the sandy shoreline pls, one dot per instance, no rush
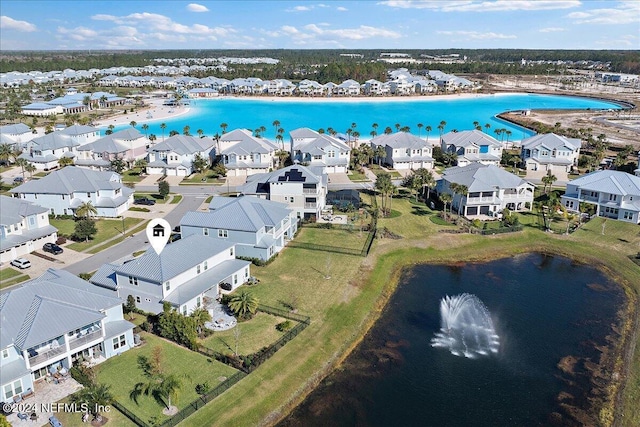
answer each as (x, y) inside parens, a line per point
(356, 99)
(158, 112)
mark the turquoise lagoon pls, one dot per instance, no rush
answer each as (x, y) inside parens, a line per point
(459, 112)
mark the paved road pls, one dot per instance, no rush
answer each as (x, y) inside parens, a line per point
(190, 202)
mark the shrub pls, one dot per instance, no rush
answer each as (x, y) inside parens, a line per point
(146, 326)
(258, 261)
(203, 388)
(284, 326)
(85, 276)
(83, 374)
(61, 240)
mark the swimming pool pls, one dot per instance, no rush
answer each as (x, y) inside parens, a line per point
(459, 112)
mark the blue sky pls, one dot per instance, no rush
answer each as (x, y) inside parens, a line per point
(393, 24)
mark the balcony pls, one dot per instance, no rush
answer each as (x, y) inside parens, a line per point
(310, 205)
(84, 339)
(309, 191)
(43, 356)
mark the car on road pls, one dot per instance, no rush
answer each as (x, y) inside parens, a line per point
(144, 201)
(21, 263)
(52, 248)
(18, 180)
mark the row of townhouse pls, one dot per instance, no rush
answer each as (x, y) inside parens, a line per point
(73, 103)
(45, 151)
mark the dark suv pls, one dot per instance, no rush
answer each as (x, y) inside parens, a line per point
(144, 201)
(52, 248)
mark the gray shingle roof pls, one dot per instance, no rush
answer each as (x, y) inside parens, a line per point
(182, 144)
(238, 213)
(608, 181)
(172, 260)
(71, 179)
(49, 306)
(479, 177)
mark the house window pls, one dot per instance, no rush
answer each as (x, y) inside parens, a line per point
(167, 286)
(5, 353)
(626, 215)
(184, 310)
(63, 197)
(138, 300)
(8, 391)
(88, 194)
(246, 272)
(120, 341)
(133, 281)
(198, 269)
(205, 231)
(198, 302)
(231, 251)
(205, 266)
(17, 387)
(223, 233)
(235, 279)
(613, 197)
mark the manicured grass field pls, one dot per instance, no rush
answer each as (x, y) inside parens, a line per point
(177, 198)
(132, 175)
(358, 177)
(74, 419)
(152, 196)
(10, 276)
(8, 273)
(254, 334)
(352, 239)
(107, 228)
(209, 177)
(123, 372)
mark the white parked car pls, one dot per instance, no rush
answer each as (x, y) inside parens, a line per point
(21, 263)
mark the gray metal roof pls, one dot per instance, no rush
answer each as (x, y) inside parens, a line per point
(117, 142)
(238, 213)
(551, 141)
(172, 260)
(608, 181)
(479, 177)
(53, 141)
(242, 142)
(78, 130)
(71, 179)
(13, 370)
(105, 276)
(113, 329)
(14, 240)
(49, 306)
(14, 210)
(15, 129)
(469, 137)
(295, 173)
(183, 144)
(205, 281)
(402, 140)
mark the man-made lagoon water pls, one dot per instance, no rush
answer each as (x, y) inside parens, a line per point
(543, 308)
(458, 112)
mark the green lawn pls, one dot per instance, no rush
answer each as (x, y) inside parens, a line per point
(74, 419)
(177, 198)
(107, 228)
(132, 175)
(153, 196)
(10, 276)
(334, 237)
(122, 373)
(8, 273)
(120, 238)
(358, 177)
(209, 177)
(255, 334)
(377, 171)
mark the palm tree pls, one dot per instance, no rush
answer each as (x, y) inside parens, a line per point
(426, 176)
(397, 127)
(145, 128)
(133, 123)
(163, 126)
(200, 316)
(65, 161)
(5, 152)
(461, 190)
(160, 386)
(93, 397)
(200, 133)
(375, 129)
(380, 153)
(487, 127)
(385, 186)
(441, 127)
(548, 180)
(23, 164)
(276, 124)
(103, 100)
(141, 164)
(86, 210)
(243, 304)
(445, 198)
(420, 126)
(186, 129)
(224, 126)
(428, 130)
(31, 169)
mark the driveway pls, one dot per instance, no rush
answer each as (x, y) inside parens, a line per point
(40, 265)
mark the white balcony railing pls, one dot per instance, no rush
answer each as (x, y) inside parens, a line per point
(309, 190)
(310, 205)
(78, 342)
(43, 356)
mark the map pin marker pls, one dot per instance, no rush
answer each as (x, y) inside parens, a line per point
(158, 232)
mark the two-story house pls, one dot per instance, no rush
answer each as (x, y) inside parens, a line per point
(65, 190)
(18, 134)
(310, 88)
(319, 150)
(550, 152)
(297, 186)
(489, 190)
(472, 146)
(259, 228)
(404, 151)
(244, 154)
(24, 228)
(614, 194)
(183, 274)
(127, 144)
(44, 152)
(52, 322)
(175, 155)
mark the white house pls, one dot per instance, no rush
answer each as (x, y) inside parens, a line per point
(183, 281)
(24, 228)
(17, 134)
(244, 154)
(44, 152)
(490, 189)
(52, 322)
(259, 228)
(175, 155)
(472, 146)
(404, 151)
(550, 152)
(319, 150)
(348, 88)
(296, 186)
(614, 194)
(310, 88)
(41, 109)
(128, 144)
(64, 190)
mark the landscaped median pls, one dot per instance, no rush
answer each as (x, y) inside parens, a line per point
(10, 276)
(106, 229)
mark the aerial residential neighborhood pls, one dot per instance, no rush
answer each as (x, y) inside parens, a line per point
(209, 220)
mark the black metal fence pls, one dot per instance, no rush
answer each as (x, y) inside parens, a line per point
(127, 413)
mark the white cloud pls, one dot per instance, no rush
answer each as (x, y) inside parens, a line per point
(341, 9)
(7, 23)
(482, 6)
(475, 35)
(551, 30)
(194, 7)
(627, 12)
